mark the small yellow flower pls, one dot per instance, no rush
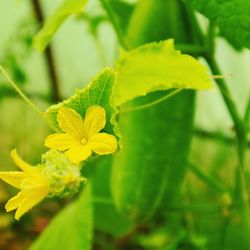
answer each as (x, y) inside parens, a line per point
(80, 137)
(33, 184)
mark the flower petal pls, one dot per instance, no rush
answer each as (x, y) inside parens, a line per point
(78, 153)
(13, 178)
(20, 163)
(38, 194)
(60, 141)
(41, 181)
(14, 202)
(94, 121)
(103, 143)
(70, 122)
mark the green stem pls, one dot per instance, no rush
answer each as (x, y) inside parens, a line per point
(238, 122)
(208, 179)
(115, 23)
(217, 136)
(148, 105)
(241, 196)
(8, 92)
(190, 49)
(198, 34)
(25, 98)
(247, 115)
(210, 41)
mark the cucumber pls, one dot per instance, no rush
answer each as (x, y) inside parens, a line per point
(148, 172)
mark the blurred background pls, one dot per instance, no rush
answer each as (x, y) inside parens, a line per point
(83, 46)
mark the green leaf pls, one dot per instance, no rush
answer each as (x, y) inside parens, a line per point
(157, 66)
(70, 229)
(232, 17)
(98, 92)
(106, 217)
(51, 25)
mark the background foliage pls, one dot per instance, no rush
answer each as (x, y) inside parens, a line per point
(176, 185)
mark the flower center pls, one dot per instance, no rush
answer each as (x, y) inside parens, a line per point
(84, 141)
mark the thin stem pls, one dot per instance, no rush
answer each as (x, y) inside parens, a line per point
(25, 98)
(208, 179)
(247, 115)
(55, 92)
(8, 92)
(148, 105)
(115, 23)
(238, 122)
(241, 196)
(210, 41)
(198, 34)
(216, 136)
(219, 76)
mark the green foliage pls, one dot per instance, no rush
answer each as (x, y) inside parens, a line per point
(72, 228)
(232, 17)
(13, 54)
(68, 8)
(137, 76)
(157, 66)
(110, 91)
(98, 92)
(135, 200)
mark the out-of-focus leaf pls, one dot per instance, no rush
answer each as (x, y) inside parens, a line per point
(232, 17)
(6, 91)
(157, 66)
(70, 229)
(98, 92)
(106, 217)
(51, 25)
(5, 221)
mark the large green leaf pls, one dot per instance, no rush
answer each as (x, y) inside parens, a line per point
(157, 66)
(133, 78)
(70, 229)
(232, 17)
(98, 92)
(51, 25)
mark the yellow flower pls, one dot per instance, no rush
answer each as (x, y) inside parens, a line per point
(33, 184)
(80, 137)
